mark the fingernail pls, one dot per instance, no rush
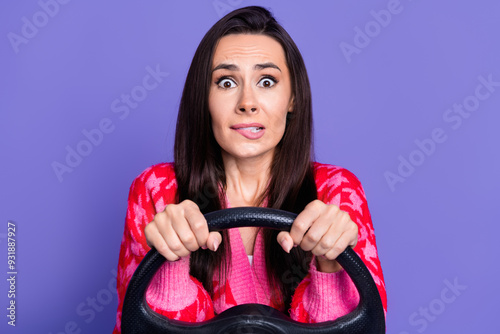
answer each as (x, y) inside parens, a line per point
(216, 244)
(204, 247)
(286, 245)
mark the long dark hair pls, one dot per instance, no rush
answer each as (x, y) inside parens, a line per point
(198, 162)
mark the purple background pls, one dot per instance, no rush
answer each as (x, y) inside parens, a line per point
(436, 228)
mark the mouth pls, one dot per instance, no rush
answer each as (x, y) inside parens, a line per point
(250, 131)
(253, 129)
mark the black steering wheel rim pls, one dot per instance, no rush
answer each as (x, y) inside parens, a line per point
(367, 318)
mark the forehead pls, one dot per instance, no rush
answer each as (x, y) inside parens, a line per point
(249, 48)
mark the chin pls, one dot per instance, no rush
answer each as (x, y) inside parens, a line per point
(247, 153)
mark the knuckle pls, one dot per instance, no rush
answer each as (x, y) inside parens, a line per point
(281, 235)
(199, 225)
(183, 252)
(189, 239)
(354, 228)
(317, 252)
(316, 204)
(161, 224)
(172, 257)
(330, 256)
(188, 204)
(216, 235)
(332, 214)
(149, 233)
(346, 216)
(333, 209)
(170, 210)
(300, 226)
(175, 246)
(163, 249)
(311, 205)
(311, 237)
(338, 248)
(325, 243)
(160, 216)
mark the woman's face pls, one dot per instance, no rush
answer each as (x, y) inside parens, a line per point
(250, 95)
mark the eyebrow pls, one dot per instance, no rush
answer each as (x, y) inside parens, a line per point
(232, 67)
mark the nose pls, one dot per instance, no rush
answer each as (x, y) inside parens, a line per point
(242, 109)
(248, 101)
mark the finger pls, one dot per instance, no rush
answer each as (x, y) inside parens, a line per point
(328, 240)
(285, 240)
(304, 220)
(149, 231)
(347, 238)
(156, 240)
(177, 217)
(343, 227)
(317, 233)
(354, 232)
(184, 233)
(173, 240)
(198, 224)
(214, 240)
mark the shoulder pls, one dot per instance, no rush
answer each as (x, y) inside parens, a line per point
(331, 175)
(332, 181)
(161, 170)
(159, 178)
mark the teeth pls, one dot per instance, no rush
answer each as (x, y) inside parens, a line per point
(254, 129)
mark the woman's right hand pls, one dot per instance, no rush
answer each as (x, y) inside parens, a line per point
(179, 230)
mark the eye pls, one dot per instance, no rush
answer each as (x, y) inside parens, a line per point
(267, 82)
(226, 83)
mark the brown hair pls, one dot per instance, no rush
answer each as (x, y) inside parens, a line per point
(198, 163)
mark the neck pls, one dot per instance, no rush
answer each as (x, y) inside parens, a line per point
(246, 179)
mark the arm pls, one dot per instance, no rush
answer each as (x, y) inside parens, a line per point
(185, 299)
(323, 296)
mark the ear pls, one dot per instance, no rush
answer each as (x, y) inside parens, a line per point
(291, 105)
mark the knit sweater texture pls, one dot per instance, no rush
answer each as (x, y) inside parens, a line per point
(177, 295)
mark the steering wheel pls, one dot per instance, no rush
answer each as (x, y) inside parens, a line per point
(137, 316)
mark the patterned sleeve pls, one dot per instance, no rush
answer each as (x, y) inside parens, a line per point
(172, 292)
(327, 296)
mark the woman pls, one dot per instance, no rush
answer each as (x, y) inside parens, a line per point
(243, 138)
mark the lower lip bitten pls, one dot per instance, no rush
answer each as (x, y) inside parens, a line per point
(252, 132)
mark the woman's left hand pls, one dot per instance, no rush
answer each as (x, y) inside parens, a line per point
(323, 229)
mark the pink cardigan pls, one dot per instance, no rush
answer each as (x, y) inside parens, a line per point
(177, 295)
